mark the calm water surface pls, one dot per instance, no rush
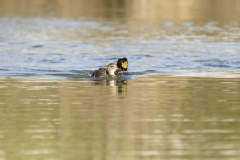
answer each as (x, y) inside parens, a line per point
(180, 99)
(155, 117)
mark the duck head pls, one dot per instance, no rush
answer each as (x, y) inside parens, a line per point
(122, 63)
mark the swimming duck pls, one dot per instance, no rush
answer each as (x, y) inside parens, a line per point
(112, 69)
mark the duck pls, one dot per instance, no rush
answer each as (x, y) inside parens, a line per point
(113, 70)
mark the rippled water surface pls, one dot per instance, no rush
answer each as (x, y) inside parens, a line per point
(179, 100)
(71, 48)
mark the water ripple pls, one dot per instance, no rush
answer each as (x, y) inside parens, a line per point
(29, 49)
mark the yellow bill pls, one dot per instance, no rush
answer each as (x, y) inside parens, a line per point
(125, 64)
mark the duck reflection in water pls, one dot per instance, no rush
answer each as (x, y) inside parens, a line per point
(115, 86)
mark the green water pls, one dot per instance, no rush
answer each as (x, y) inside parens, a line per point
(156, 117)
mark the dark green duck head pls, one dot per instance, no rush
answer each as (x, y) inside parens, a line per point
(122, 64)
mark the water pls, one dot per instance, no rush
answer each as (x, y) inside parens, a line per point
(179, 100)
(43, 47)
(156, 117)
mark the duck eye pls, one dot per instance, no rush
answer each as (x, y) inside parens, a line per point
(125, 64)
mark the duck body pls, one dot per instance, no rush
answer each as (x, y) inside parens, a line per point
(101, 72)
(113, 70)
(106, 72)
